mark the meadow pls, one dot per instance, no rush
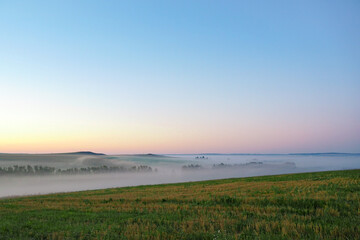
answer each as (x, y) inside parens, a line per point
(320, 205)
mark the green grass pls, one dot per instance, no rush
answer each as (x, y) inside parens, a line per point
(323, 205)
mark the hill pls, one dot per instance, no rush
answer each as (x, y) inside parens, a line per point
(84, 153)
(322, 205)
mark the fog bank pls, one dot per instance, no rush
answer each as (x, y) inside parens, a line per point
(169, 169)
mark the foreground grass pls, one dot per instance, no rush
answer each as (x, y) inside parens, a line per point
(324, 205)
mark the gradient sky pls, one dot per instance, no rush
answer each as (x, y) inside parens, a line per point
(180, 76)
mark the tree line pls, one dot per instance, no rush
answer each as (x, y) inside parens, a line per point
(45, 170)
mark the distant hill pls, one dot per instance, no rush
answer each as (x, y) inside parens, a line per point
(325, 153)
(277, 154)
(84, 153)
(149, 155)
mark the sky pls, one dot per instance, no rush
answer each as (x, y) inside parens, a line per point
(180, 76)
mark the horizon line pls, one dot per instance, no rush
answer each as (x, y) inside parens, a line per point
(206, 153)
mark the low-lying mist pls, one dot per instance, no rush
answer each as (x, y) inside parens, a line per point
(157, 169)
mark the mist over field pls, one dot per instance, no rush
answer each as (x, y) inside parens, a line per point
(163, 169)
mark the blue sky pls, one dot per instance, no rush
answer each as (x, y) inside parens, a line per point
(180, 76)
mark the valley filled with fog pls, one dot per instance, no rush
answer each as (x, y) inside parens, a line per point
(28, 174)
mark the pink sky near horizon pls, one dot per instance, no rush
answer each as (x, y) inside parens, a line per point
(265, 139)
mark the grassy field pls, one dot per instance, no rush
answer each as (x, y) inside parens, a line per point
(324, 205)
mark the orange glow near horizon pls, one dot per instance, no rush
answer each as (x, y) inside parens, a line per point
(156, 139)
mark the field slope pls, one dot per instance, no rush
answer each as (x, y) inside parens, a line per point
(323, 205)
